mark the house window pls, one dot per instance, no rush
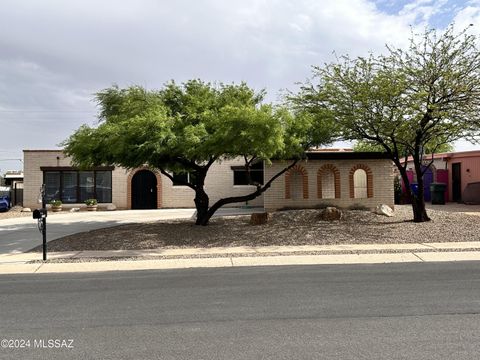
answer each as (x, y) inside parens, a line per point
(103, 186)
(71, 186)
(240, 174)
(87, 185)
(360, 184)
(51, 180)
(179, 179)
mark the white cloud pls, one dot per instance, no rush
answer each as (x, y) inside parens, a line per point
(56, 54)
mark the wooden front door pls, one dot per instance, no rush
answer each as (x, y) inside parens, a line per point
(144, 190)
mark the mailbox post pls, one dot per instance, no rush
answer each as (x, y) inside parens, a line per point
(41, 216)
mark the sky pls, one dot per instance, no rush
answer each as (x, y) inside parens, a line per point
(55, 54)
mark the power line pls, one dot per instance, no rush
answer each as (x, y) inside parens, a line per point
(48, 111)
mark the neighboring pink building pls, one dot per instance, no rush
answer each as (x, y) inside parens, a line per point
(460, 170)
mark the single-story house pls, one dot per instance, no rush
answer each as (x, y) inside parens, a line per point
(459, 170)
(339, 178)
(14, 180)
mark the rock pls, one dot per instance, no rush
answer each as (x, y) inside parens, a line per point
(384, 210)
(74, 209)
(111, 207)
(330, 214)
(26, 210)
(259, 218)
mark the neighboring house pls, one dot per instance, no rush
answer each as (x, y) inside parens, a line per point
(14, 180)
(339, 178)
(459, 170)
(12, 177)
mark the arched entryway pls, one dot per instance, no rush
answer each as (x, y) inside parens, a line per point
(144, 190)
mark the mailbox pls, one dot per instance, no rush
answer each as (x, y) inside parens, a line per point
(39, 213)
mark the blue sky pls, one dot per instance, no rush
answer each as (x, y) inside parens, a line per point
(56, 54)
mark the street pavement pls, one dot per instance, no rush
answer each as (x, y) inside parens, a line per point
(21, 234)
(396, 311)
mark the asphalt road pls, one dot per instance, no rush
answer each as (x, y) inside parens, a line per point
(395, 311)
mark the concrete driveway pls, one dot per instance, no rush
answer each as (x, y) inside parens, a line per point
(21, 234)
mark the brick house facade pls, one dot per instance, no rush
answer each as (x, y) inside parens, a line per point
(330, 178)
(342, 179)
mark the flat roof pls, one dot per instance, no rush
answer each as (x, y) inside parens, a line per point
(48, 150)
(323, 154)
(13, 176)
(346, 155)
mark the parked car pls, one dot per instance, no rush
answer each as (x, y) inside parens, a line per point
(5, 203)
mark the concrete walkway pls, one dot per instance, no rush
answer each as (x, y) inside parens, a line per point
(21, 234)
(94, 261)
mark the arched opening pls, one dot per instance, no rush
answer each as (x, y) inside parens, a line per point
(144, 190)
(360, 184)
(328, 185)
(296, 183)
(328, 182)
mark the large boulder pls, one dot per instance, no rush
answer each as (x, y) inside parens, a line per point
(330, 214)
(259, 218)
(384, 210)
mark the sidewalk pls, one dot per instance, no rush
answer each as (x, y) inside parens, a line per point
(94, 261)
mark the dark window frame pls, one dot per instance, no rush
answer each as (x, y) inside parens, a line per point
(189, 177)
(61, 170)
(255, 169)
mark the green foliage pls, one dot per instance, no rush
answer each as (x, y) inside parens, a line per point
(183, 126)
(187, 127)
(408, 102)
(365, 146)
(91, 202)
(56, 203)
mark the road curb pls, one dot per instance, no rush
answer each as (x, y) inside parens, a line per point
(226, 262)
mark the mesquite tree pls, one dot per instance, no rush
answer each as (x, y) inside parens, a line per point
(405, 101)
(187, 128)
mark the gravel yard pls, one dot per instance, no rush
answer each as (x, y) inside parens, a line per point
(294, 227)
(14, 212)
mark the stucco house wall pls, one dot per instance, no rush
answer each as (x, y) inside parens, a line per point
(469, 166)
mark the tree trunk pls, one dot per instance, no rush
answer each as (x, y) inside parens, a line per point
(201, 204)
(419, 210)
(206, 213)
(418, 202)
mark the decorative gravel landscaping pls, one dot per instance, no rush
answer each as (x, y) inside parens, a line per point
(294, 227)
